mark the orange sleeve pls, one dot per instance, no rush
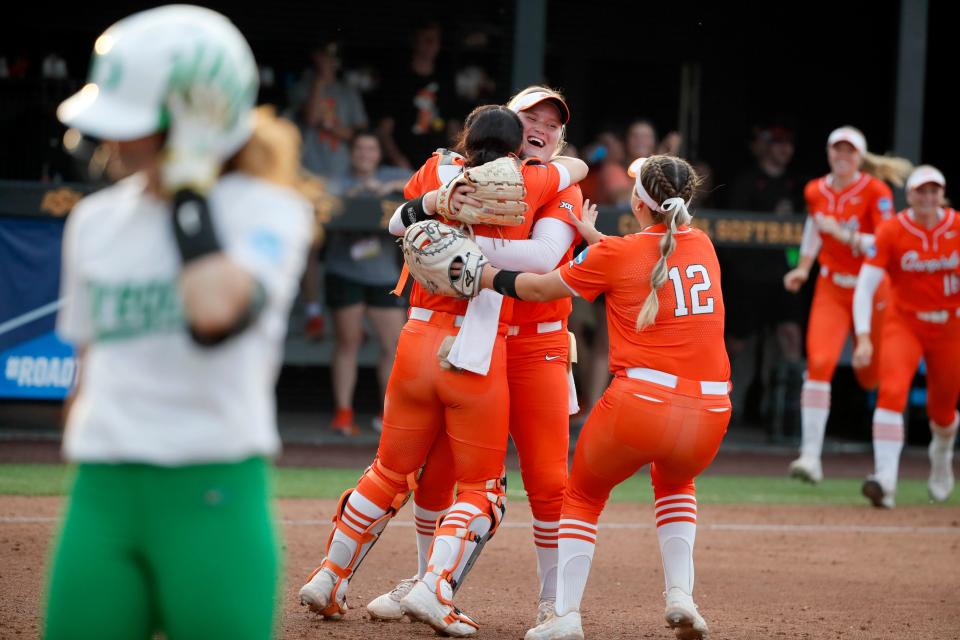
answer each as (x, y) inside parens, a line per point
(590, 273)
(810, 193)
(880, 206)
(884, 239)
(570, 200)
(542, 181)
(416, 184)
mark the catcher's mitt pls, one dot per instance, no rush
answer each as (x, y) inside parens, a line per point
(431, 248)
(499, 186)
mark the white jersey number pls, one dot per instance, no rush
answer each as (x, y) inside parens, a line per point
(698, 306)
(951, 284)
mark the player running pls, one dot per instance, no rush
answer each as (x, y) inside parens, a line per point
(844, 206)
(920, 251)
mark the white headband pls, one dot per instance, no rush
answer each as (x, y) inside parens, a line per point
(667, 205)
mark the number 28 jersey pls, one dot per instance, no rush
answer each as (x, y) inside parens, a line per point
(687, 338)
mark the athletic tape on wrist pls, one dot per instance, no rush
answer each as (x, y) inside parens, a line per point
(505, 283)
(193, 226)
(413, 212)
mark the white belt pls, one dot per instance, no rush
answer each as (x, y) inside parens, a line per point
(707, 387)
(843, 280)
(542, 327)
(935, 317)
(419, 313)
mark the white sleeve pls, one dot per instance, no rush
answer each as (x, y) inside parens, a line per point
(867, 282)
(564, 176)
(548, 242)
(273, 248)
(73, 320)
(865, 242)
(811, 243)
(396, 227)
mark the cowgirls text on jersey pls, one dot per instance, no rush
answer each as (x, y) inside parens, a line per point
(911, 261)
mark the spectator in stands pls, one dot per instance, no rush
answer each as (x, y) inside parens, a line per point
(328, 112)
(361, 269)
(416, 102)
(758, 312)
(608, 182)
(641, 140)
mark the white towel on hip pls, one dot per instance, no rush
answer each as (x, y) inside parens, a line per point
(473, 346)
(572, 405)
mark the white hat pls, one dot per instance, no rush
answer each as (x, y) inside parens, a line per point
(925, 174)
(532, 99)
(848, 134)
(141, 59)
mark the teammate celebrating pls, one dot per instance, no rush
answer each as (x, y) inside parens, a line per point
(667, 405)
(177, 290)
(428, 396)
(538, 369)
(920, 251)
(844, 206)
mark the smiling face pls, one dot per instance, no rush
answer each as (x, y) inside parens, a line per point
(541, 130)
(926, 198)
(844, 159)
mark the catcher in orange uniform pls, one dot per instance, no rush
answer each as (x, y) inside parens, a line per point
(845, 206)
(668, 404)
(920, 252)
(538, 366)
(449, 377)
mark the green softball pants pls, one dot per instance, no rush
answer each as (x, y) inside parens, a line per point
(190, 552)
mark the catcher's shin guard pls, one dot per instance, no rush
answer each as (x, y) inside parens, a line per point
(358, 523)
(464, 531)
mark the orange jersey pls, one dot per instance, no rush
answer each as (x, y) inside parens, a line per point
(923, 264)
(541, 181)
(570, 200)
(861, 207)
(687, 338)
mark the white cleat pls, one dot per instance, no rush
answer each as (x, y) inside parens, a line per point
(545, 610)
(682, 616)
(807, 469)
(423, 605)
(315, 595)
(878, 495)
(940, 484)
(387, 606)
(565, 627)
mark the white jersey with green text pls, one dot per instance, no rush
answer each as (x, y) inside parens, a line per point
(147, 392)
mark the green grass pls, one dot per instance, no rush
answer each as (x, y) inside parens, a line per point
(53, 479)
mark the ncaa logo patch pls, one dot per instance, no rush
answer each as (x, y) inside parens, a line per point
(885, 205)
(580, 258)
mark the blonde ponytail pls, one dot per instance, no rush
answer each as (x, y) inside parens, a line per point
(273, 154)
(891, 169)
(672, 182)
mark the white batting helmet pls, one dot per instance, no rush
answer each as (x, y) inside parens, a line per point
(139, 61)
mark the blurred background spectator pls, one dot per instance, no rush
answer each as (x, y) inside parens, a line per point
(327, 111)
(607, 182)
(764, 323)
(360, 269)
(416, 103)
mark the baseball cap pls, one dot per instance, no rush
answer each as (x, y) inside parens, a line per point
(848, 134)
(925, 174)
(532, 99)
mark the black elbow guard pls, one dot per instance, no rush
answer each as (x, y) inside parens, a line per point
(505, 283)
(412, 211)
(193, 226)
(249, 316)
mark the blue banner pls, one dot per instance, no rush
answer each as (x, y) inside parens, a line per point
(34, 363)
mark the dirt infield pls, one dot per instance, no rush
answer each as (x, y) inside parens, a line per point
(784, 572)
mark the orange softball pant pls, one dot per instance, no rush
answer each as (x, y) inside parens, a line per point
(905, 340)
(677, 431)
(424, 400)
(831, 321)
(539, 425)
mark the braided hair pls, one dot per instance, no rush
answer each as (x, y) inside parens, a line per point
(672, 182)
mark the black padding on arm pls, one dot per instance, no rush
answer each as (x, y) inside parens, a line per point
(413, 212)
(505, 283)
(193, 226)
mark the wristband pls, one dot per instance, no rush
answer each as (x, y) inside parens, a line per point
(505, 283)
(413, 212)
(193, 226)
